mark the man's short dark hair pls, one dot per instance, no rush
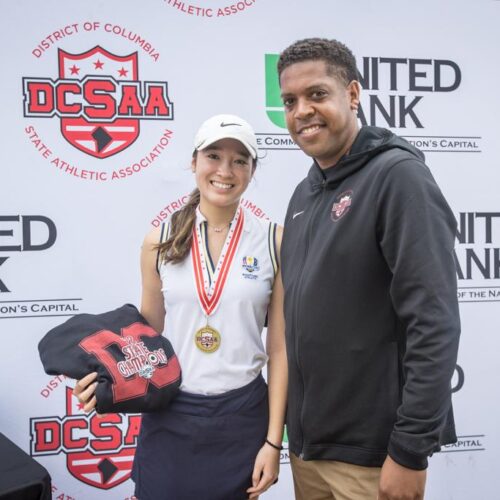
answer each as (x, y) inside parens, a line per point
(338, 58)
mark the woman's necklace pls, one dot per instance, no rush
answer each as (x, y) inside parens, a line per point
(218, 229)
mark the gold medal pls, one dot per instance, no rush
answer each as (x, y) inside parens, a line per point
(207, 339)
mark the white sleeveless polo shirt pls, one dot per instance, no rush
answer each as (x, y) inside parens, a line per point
(239, 316)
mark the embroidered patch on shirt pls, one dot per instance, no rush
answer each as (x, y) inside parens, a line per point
(251, 265)
(341, 205)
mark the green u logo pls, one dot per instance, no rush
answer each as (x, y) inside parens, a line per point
(274, 104)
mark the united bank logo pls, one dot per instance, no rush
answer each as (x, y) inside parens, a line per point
(393, 92)
(477, 256)
(99, 451)
(99, 100)
(22, 233)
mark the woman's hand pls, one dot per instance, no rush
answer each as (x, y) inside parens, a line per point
(84, 391)
(265, 471)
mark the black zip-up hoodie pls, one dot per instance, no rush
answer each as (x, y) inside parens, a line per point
(372, 321)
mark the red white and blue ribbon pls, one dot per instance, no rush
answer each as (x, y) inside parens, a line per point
(209, 293)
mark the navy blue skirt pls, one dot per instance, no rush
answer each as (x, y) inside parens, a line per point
(202, 447)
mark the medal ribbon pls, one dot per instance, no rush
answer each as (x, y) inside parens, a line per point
(209, 300)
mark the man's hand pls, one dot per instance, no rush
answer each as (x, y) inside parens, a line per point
(400, 483)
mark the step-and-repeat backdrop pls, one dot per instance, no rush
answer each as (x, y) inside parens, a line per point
(99, 104)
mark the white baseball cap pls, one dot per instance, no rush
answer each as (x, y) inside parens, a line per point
(226, 127)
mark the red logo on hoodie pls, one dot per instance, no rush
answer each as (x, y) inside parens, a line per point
(341, 205)
(132, 376)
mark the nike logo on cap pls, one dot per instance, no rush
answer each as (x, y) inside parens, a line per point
(229, 124)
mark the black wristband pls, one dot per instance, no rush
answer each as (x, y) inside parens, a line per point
(276, 447)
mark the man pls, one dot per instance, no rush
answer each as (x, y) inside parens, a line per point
(370, 293)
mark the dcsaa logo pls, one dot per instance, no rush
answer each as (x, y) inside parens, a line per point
(99, 99)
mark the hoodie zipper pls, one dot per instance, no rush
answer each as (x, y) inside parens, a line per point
(295, 308)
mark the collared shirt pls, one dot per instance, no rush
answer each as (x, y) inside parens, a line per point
(239, 317)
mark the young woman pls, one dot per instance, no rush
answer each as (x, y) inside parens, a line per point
(210, 276)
